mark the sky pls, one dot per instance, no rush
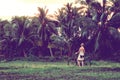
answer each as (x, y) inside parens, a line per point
(9, 8)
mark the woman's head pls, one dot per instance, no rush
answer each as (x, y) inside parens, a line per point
(82, 44)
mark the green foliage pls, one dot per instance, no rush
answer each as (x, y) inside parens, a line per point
(39, 35)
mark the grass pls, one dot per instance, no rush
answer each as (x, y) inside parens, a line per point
(28, 70)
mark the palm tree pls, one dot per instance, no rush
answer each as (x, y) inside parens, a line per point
(102, 39)
(22, 39)
(104, 44)
(45, 30)
(68, 17)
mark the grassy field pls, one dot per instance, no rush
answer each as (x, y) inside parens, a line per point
(28, 70)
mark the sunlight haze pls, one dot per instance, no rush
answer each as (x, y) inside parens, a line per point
(9, 8)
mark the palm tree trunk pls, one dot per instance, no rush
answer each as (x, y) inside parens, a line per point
(104, 2)
(51, 53)
(69, 48)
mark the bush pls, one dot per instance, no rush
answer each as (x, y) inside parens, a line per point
(116, 56)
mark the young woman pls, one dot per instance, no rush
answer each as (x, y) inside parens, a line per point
(80, 58)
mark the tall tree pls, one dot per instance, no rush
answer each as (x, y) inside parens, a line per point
(22, 39)
(69, 16)
(100, 36)
(45, 30)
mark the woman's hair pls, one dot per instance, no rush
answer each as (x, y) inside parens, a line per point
(82, 44)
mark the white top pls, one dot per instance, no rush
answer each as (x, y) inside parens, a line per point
(81, 53)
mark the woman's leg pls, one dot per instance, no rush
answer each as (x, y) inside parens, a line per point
(78, 61)
(82, 62)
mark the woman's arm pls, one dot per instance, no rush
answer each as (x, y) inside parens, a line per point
(77, 51)
(84, 49)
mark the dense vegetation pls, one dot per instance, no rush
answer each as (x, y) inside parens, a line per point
(41, 36)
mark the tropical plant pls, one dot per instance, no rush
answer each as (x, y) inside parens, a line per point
(69, 17)
(100, 37)
(22, 39)
(45, 30)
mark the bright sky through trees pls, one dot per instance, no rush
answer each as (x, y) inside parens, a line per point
(9, 8)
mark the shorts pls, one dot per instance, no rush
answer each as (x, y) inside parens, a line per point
(81, 57)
